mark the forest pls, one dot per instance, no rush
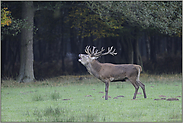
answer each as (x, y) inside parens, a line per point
(40, 40)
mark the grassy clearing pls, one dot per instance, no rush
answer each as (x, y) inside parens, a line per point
(79, 99)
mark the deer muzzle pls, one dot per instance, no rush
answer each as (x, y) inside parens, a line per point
(79, 58)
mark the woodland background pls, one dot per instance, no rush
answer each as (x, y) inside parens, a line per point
(144, 33)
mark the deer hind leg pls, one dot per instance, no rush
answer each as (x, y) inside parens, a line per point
(106, 90)
(143, 87)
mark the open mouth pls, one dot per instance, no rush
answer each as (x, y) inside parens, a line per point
(80, 58)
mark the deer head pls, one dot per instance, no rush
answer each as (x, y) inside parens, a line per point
(94, 54)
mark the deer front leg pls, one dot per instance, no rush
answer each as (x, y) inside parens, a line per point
(136, 89)
(106, 90)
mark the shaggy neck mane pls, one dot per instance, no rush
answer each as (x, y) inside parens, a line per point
(94, 68)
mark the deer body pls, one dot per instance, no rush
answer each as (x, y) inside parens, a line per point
(108, 72)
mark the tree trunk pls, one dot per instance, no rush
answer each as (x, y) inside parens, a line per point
(148, 47)
(124, 50)
(152, 49)
(63, 48)
(74, 50)
(138, 58)
(130, 52)
(26, 73)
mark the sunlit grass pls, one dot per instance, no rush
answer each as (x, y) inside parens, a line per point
(79, 99)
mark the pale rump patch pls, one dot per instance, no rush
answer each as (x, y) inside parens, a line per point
(111, 78)
(138, 75)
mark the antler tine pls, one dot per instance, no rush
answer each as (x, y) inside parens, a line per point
(102, 49)
(113, 52)
(110, 51)
(97, 54)
(87, 50)
(93, 49)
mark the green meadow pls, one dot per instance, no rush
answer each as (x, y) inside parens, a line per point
(80, 99)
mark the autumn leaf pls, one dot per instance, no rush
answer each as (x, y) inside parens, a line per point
(5, 17)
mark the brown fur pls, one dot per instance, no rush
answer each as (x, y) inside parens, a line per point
(108, 72)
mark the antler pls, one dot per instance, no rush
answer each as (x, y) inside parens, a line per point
(110, 51)
(87, 50)
(95, 53)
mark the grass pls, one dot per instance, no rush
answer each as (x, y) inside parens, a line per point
(79, 99)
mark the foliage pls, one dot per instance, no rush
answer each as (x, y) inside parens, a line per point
(9, 25)
(164, 17)
(12, 25)
(88, 23)
(5, 17)
(14, 28)
(16, 22)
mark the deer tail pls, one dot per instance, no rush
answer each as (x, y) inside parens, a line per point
(139, 68)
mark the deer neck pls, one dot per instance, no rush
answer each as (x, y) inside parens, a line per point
(94, 68)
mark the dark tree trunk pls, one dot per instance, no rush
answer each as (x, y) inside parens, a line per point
(152, 49)
(175, 46)
(147, 47)
(74, 50)
(124, 49)
(130, 52)
(138, 59)
(169, 45)
(62, 47)
(3, 55)
(26, 73)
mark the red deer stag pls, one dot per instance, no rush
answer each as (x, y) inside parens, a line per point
(108, 72)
